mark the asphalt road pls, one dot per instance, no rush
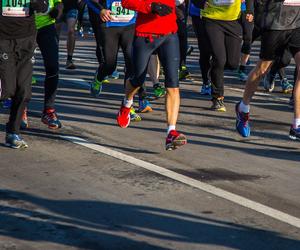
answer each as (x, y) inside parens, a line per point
(61, 195)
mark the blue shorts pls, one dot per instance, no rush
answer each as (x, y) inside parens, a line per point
(71, 14)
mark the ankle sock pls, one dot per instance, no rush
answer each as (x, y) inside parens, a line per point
(170, 128)
(244, 108)
(127, 103)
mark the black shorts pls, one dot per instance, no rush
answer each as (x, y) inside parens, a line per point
(167, 48)
(275, 42)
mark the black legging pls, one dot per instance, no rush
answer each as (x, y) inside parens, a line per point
(182, 33)
(204, 48)
(47, 41)
(111, 38)
(225, 42)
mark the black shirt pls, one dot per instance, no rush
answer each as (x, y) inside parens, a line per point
(70, 5)
(274, 15)
(16, 27)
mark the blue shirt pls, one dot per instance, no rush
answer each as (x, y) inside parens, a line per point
(193, 10)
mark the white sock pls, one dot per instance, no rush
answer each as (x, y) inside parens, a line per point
(244, 108)
(171, 127)
(296, 122)
(127, 103)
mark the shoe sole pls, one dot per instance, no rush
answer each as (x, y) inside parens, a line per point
(180, 141)
(294, 138)
(146, 110)
(16, 147)
(219, 110)
(52, 127)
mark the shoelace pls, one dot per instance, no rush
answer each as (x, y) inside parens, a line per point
(51, 116)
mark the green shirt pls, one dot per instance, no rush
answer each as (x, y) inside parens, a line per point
(224, 10)
(42, 20)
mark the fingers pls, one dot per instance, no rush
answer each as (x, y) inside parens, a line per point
(105, 16)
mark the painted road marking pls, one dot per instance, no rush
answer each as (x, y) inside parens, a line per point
(237, 199)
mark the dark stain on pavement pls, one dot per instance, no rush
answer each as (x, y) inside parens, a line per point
(218, 174)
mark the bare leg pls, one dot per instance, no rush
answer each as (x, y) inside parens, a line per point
(172, 105)
(297, 88)
(254, 79)
(71, 36)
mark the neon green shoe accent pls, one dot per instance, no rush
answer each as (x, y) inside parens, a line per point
(33, 80)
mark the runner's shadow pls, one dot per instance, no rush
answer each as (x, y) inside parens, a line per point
(98, 225)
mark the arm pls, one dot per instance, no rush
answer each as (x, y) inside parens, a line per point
(40, 6)
(95, 6)
(143, 6)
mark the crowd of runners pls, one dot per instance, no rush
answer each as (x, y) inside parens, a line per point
(153, 37)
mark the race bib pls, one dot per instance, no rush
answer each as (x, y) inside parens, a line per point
(120, 14)
(15, 8)
(223, 2)
(292, 2)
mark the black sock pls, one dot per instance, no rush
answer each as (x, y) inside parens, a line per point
(69, 58)
(242, 68)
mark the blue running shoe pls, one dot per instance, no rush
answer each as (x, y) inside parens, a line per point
(6, 104)
(295, 133)
(206, 89)
(144, 106)
(15, 141)
(242, 122)
(115, 75)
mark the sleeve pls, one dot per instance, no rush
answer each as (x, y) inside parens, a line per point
(94, 6)
(250, 6)
(143, 6)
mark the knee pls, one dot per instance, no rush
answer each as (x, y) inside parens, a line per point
(71, 31)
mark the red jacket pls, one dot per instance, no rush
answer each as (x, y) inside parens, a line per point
(148, 23)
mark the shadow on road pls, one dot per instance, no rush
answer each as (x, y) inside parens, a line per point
(96, 225)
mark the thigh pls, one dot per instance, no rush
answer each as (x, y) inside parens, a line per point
(71, 18)
(48, 44)
(294, 42)
(109, 44)
(126, 41)
(216, 39)
(233, 44)
(169, 56)
(7, 69)
(141, 52)
(273, 44)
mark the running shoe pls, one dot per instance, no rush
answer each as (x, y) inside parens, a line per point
(144, 106)
(269, 83)
(287, 87)
(183, 73)
(15, 141)
(106, 80)
(242, 76)
(115, 75)
(49, 117)
(70, 64)
(24, 121)
(295, 133)
(242, 122)
(206, 89)
(123, 117)
(159, 91)
(291, 102)
(33, 80)
(96, 88)
(175, 140)
(134, 117)
(6, 104)
(218, 104)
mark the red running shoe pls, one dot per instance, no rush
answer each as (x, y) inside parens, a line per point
(123, 117)
(50, 118)
(175, 140)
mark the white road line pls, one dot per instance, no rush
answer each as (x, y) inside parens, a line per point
(271, 212)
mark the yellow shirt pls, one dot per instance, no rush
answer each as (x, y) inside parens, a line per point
(224, 10)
